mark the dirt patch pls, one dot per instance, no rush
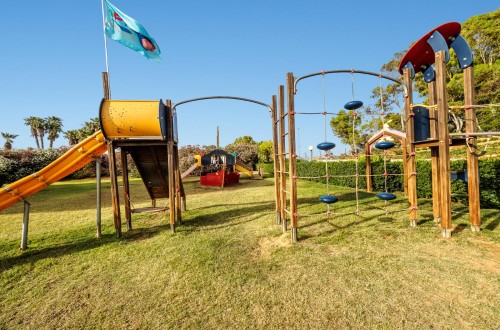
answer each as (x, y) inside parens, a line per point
(268, 244)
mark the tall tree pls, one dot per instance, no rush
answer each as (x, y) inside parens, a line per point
(72, 135)
(245, 139)
(9, 138)
(40, 126)
(33, 122)
(89, 128)
(53, 125)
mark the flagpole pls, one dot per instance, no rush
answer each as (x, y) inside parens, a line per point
(104, 34)
(107, 89)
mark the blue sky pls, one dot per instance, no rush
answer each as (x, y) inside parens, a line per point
(52, 58)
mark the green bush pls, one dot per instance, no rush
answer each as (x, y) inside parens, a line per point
(343, 175)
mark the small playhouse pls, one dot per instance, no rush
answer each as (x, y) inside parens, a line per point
(218, 169)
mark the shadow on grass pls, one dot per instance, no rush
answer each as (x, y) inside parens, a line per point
(233, 215)
(32, 255)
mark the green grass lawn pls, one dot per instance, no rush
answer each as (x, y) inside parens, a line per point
(229, 265)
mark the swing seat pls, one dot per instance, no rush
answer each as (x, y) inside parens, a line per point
(386, 196)
(353, 105)
(384, 145)
(326, 145)
(328, 199)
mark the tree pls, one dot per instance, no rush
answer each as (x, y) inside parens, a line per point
(72, 135)
(245, 140)
(34, 123)
(9, 138)
(89, 128)
(342, 127)
(265, 151)
(53, 125)
(40, 126)
(247, 153)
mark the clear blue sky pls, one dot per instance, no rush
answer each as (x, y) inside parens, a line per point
(53, 55)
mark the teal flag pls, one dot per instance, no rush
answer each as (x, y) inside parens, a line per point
(127, 31)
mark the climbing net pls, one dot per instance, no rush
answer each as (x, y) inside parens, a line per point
(384, 144)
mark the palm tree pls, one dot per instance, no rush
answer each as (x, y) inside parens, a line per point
(9, 138)
(53, 126)
(90, 127)
(40, 126)
(72, 135)
(33, 123)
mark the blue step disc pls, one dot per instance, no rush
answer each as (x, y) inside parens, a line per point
(328, 199)
(353, 105)
(384, 145)
(326, 145)
(386, 196)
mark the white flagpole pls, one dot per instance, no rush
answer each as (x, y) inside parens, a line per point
(104, 33)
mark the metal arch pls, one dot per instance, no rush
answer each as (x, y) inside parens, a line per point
(223, 97)
(349, 71)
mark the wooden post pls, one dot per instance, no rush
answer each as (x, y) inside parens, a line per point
(292, 156)
(178, 185)
(98, 169)
(26, 220)
(115, 198)
(444, 145)
(368, 168)
(126, 189)
(472, 161)
(276, 161)
(98, 196)
(436, 200)
(410, 150)
(170, 168)
(281, 147)
(105, 86)
(405, 167)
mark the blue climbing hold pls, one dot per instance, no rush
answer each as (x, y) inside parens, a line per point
(386, 196)
(326, 145)
(328, 199)
(353, 105)
(384, 145)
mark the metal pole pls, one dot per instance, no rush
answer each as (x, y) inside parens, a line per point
(98, 198)
(26, 219)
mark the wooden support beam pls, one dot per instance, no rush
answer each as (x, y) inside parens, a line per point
(170, 168)
(26, 221)
(368, 168)
(405, 167)
(282, 158)
(292, 158)
(472, 160)
(436, 199)
(126, 189)
(444, 145)
(98, 172)
(410, 151)
(276, 160)
(115, 198)
(178, 185)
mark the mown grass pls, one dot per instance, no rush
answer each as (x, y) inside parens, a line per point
(229, 265)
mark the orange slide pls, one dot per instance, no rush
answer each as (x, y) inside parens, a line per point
(74, 159)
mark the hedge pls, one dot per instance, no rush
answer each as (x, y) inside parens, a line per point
(489, 177)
